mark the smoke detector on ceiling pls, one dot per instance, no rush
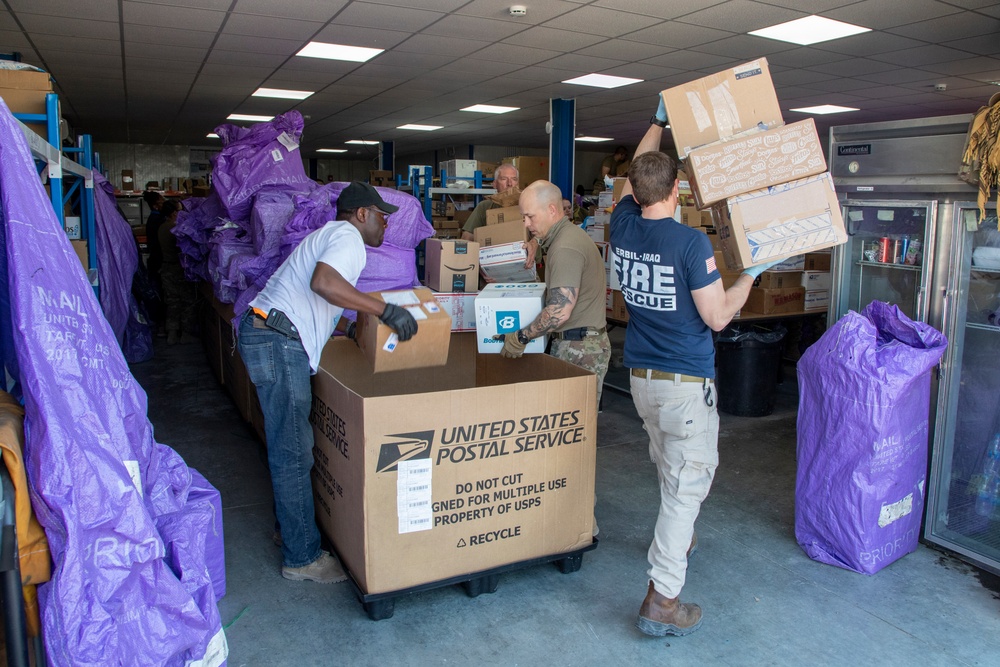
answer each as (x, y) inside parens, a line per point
(518, 10)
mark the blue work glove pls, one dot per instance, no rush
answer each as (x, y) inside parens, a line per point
(755, 271)
(661, 110)
(400, 321)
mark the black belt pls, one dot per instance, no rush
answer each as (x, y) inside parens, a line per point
(579, 333)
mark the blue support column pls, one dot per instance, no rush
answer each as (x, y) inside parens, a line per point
(87, 216)
(387, 156)
(561, 144)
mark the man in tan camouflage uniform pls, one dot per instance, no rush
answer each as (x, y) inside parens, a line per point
(574, 313)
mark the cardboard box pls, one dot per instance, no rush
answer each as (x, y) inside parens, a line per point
(530, 168)
(775, 301)
(72, 226)
(444, 208)
(451, 233)
(617, 188)
(488, 169)
(421, 477)
(429, 347)
(754, 161)
(501, 233)
(459, 168)
(780, 221)
(816, 280)
(497, 216)
(461, 306)
(605, 199)
(441, 222)
(722, 105)
(773, 280)
(794, 264)
(503, 308)
(24, 91)
(817, 261)
(598, 233)
(618, 311)
(80, 247)
(692, 217)
(504, 263)
(381, 178)
(452, 266)
(817, 300)
(684, 195)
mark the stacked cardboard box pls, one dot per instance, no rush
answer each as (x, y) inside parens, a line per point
(451, 266)
(381, 179)
(530, 168)
(459, 168)
(428, 347)
(817, 285)
(24, 91)
(504, 263)
(771, 197)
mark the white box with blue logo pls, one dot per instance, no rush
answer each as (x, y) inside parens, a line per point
(504, 308)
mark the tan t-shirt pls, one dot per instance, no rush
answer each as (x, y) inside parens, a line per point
(572, 260)
(478, 217)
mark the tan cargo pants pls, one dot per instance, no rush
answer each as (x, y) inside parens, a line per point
(684, 444)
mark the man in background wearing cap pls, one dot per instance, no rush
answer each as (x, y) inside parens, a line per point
(281, 337)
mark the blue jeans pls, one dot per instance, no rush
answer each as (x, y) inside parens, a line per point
(279, 367)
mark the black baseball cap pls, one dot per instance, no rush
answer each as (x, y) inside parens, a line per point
(362, 195)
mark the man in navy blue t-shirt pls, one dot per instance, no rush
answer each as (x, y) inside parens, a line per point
(675, 299)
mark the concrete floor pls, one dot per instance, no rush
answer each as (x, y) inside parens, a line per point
(765, 602)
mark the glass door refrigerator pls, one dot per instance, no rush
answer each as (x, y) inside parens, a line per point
(915, 239)
(963, 500)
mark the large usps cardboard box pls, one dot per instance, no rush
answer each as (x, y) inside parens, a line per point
(428, 347)
(451, 266)
(500, 233)
(779, 221)
(461, 306)
(505, 264)
(722, 105)
(421, 477)
(504, 308)
(754, 161)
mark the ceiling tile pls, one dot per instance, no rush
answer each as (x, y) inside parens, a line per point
(931, 54)
(549, 38)
(895, 76)
(472, 27)
(799, 77)
(159, 64)
(573, 62)
(884, 14)
(58, 60)
(688, 60)
(260, 59)
(434, 45)
(432, 5)
(843, 85)
(508, 53)
(868, 43)
(538, 12)
(741, 16)
(266, 26)
(658, 8)
(803, 56)
(355, 36)
(83, 45)
(305, 10)
(852, 67)
(106, 11)
(624, 50)
(644, 71)
(147, 34)
(241, 44)
(744, 47)
(169, 16)
(369, 15)
(68, 27)
(986, 45)
(165, 52)
(599, 21)
(810, 6)
(965, 67)
(954, 26)
(677, 35)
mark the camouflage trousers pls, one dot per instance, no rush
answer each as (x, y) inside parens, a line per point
(179, 297)
(593, 353)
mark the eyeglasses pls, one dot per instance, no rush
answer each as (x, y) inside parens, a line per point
(382, 214)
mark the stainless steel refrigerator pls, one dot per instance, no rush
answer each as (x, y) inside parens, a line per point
(915, 239)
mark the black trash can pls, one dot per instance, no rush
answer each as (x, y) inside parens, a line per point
(748, 360)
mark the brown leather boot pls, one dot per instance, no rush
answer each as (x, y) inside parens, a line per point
(659, 615)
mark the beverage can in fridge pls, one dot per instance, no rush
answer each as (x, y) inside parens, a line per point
(884, 250)
(906, 249)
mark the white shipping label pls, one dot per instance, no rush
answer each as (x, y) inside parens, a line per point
(417, 312)
(277, 156)
(896, 510)
(413, 495)
(403, 298)
(432, 307)
(286, 140)
(391, 342)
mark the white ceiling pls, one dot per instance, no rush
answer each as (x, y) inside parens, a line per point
(168, 72)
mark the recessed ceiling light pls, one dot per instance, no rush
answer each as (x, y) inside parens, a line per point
(354, 54)
(595, 139)
(489, 108)
(212, 135)
(824, 109)
(331, 150)
(422, 128)
(280, 93)
(602, 81)
(363, 142)
(249, 117)
(810, 30)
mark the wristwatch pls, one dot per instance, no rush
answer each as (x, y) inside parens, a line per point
(522, 338)
(656, 121)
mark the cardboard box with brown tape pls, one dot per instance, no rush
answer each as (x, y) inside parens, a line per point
(452, 266)
(24, 91)
(421, 477)
(500, 233)
(530, 168)
(776, 301)
(722, 105)
(428, 347)
(496, 216)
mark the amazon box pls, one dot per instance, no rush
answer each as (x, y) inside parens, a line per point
(428, 347)
(504, 308)
(452, 266)
(778, 222)
(754, 161)
(421, 477)
(722, 105)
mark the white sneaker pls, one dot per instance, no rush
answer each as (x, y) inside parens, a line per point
(323, 570)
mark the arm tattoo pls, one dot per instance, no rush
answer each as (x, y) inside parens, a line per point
(558, 308)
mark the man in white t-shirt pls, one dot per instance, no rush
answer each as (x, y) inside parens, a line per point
(281, 337)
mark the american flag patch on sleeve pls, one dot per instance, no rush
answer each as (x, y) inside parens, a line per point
(710, 264)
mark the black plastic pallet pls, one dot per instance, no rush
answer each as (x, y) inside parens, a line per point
(380, 606)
